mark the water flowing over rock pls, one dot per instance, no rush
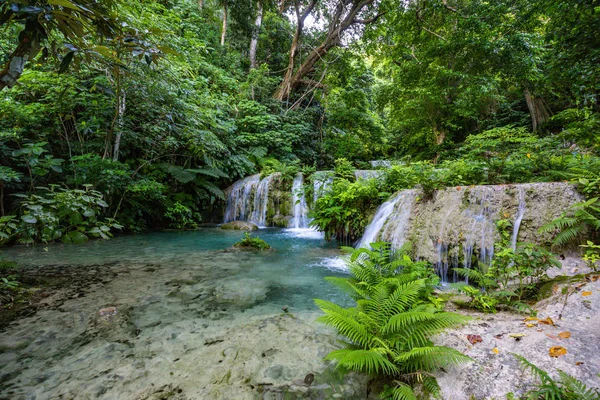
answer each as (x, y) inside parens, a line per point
(457, 227)
(300, 210)
(239, 199)
(263, 202)
(363, 174)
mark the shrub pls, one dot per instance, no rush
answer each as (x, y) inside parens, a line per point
(387, 332)
(252, 242)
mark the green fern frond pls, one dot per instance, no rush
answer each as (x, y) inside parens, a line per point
(372, 361)
(400, 392)
(431, 358)
(577, 389)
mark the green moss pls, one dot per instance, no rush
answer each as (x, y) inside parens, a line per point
(252, 242)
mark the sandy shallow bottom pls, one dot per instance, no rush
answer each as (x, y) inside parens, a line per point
(190, 332)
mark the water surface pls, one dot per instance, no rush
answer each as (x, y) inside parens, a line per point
(158, 307)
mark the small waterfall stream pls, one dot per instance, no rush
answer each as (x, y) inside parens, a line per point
(300, 208)
(390, 222)
(518, 219)
(239, 201)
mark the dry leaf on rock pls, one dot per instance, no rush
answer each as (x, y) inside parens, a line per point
(557, 351)
(547, 321)
(474, 339)
(564, 335)
(586, 293)
(495, 350)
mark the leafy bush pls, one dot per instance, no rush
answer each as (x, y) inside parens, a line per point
(180, 216)
(343, 212)
(56, 213)
(512, 275)
(387, 332)
(252, 242)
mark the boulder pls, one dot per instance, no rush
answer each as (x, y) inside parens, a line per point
(239, 226)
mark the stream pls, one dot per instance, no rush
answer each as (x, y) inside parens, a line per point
(174, 315)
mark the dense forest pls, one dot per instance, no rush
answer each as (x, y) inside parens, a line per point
(454, 143)
(143, 112)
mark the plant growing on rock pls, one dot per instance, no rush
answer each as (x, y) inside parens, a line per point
(566, 388)
(252, 243)
(387, 334)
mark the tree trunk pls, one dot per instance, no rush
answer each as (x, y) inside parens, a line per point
(537, 109)
(344, 16)
(224, 29)
(120, 123)
(13, 69)
(255, 34)
(285, 88)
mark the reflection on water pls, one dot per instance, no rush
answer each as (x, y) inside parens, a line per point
(166, 299)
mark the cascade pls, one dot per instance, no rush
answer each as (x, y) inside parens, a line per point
(391, 220)
(457, 227)
(261, 202)
(300, 209)
(362, 174)
(239, 200)
(518, 219)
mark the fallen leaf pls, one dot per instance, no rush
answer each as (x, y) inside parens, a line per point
(564, 335)
(557, 351)
(531, 325)
(499, 336)
(517, 336)
(531, 319)
(586, 294)
(474, 339)
(595, 278)
(495, 350)
(547, 321)
(578, 362)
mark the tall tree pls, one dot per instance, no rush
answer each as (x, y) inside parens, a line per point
(255, 34)
(344, 15)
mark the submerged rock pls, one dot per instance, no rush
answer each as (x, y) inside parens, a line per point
(239, 226)
(241, 293)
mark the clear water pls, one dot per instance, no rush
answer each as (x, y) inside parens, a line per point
(173, 293)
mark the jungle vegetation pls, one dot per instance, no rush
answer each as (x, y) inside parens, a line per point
(136, 115)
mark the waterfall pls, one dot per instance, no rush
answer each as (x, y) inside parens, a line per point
(390, 221)
(239, 200)
(248, 200)
(362, 174)
(261, 202)
(482, 228)
(300, 209)
(518, 219)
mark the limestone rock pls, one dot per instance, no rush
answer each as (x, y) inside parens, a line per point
(239, 226)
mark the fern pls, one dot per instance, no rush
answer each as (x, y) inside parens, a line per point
(566, 388)
(573, 224)
(388, 332)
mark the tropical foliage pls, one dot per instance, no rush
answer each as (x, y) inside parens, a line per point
(387, 334)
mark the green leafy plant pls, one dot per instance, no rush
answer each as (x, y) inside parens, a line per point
(387, 332)
(252, 242)
(592, 255)
(181, 217)
(579, 219)
(69, 215)
(565, 388)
